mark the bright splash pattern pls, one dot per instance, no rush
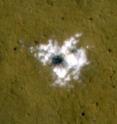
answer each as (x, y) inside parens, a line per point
(66, 61)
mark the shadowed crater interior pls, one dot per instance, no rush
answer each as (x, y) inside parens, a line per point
(57, 60)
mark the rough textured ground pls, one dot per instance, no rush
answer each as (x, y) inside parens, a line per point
(26, 96)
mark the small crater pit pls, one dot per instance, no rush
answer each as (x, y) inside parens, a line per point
(83, 114)
(90, 18)
(36, 42)
(50, 3)
(110, 50)
(97, 104)
(57, 60)
(113, 86)
(62, 18)
(15, 48)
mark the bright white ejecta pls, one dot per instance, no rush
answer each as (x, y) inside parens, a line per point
(66, 60)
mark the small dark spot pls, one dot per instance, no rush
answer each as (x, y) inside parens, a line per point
(114, 71)
(28, 114)
(13, 92)
(91, 19)
(62, 18)
(50, 2)
(15, 48)
(113, 86)
(111, 76)
(109, 50)
(90, 79)
(57, 60)
(73, 50)
(83, 113)
(107, 37)
(21, 87)
(111, 12)
(36, 42)
(97, 103)
(45, 35)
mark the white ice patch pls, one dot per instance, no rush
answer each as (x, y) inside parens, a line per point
(74, 59)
